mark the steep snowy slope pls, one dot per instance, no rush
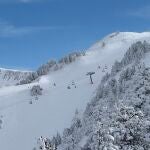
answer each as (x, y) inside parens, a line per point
(118, 117)
(23, 123)
(12, 77)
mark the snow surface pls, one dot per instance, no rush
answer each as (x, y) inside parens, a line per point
(23, 123)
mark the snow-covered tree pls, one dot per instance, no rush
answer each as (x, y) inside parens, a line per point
(44, 69)
(31, 77)
(116, 68)
(71, 58)
(36, 90)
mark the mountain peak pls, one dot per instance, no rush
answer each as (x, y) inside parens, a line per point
(121, 38)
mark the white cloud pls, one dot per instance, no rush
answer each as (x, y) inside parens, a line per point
(21, 1)
(28, 1)
(143, 12)
(9, 30)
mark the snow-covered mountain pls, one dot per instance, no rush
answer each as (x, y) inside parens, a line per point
(26, 117)
(118, 117)
(12, 77)
(52, 66)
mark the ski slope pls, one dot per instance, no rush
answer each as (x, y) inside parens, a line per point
(23, 123)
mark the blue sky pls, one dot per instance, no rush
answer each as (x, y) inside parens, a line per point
(34, 31)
